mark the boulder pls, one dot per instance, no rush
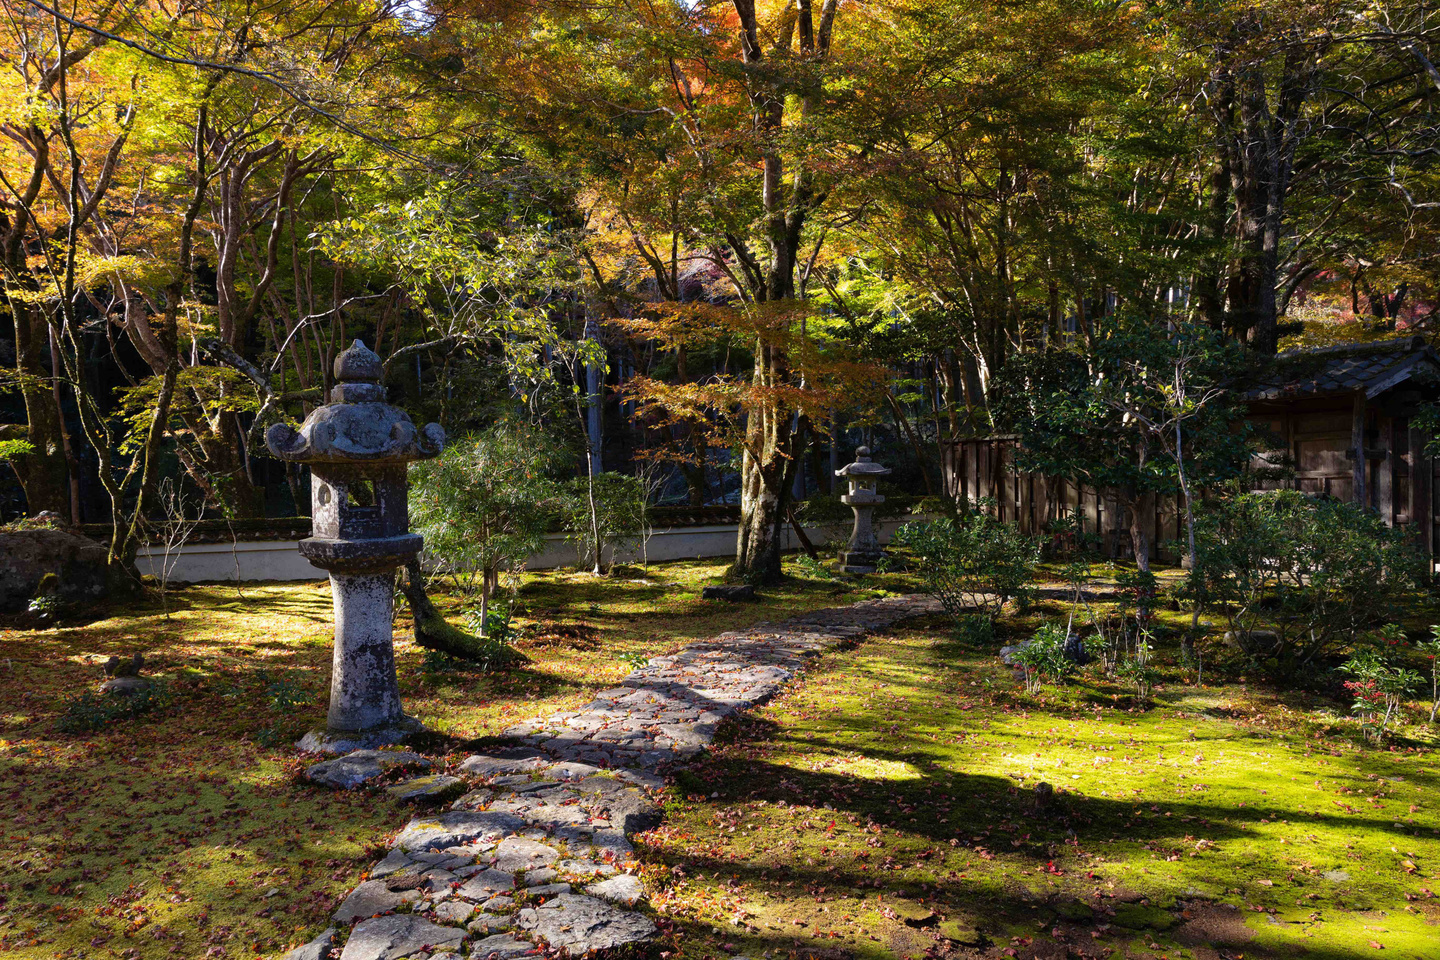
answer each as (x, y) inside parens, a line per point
(26, 556)
(126, 686)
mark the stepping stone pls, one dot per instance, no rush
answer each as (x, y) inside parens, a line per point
(643, 779)
(623, 889)
(611, 844)
(584, 868)
(524, 761)
(543, 875)
(354, 769)
(371, 898)
(572, 771)
(490, 925)
(547, 890)
(485, 884)
(454, 911)
(577, 924)
(391, 938)
(455, 828)
(502, 947)
(497, 904)
(633, 812)
(431, 789)
(472, 800)
(511, 782)
(438, 881)
(318, 949)
(394, 862)
(514, 855)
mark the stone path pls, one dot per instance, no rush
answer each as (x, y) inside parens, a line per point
(538, 851)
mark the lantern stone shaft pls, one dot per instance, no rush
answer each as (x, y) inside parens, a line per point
(863, 553)
(357, 446)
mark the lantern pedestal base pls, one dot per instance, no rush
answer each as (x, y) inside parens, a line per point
(365, 710)
(860, 562)
(348, 741)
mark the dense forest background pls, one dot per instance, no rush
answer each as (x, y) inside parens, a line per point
(717, 243)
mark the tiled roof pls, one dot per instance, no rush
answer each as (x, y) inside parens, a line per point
(1349, 368)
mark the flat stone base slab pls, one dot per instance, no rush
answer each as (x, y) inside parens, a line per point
(348, 741)
(354, 769)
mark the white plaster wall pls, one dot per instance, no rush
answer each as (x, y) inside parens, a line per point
(281, 560)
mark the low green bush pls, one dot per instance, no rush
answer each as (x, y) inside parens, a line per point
(1044, 657)
(1297, 577)
(1379, 687)
(89, 712)
(972, 563)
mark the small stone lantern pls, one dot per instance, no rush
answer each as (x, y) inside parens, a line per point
(863, 553)
(357, 446)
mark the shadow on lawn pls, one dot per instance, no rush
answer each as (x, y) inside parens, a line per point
(1212, 934)
(987, 813)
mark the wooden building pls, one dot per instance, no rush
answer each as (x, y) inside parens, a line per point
(1342, 421)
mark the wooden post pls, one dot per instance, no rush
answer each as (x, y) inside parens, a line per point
(1357, 445)
(1420, 486)
(1385, 475)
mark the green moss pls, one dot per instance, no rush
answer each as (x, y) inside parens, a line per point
(906, 769)
(160, 838)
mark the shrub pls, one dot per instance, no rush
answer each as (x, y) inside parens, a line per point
(1379, 688)
(90, 711)
(485, 504)
(1136, 670)
(618, 521)
(1045, 657)
(1298, 577)
(1430, 649)
(971, 563)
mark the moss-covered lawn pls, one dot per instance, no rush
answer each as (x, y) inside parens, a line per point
(187, 835)
(897, 780)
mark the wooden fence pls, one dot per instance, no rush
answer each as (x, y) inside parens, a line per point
(978, 468)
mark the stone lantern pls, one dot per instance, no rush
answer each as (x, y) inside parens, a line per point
(357, 447)
(863, 552)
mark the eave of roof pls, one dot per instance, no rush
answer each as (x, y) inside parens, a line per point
(1369, 368)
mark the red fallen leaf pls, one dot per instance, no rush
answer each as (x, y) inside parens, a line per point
(1376, 944)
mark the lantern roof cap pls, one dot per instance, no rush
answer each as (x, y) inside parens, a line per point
(359, 364)
(863, 466)
(357, 426)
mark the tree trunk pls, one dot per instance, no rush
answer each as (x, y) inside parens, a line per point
(763, 472)
(44, 473)
(433, 632)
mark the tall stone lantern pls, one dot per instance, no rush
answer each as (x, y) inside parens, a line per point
(863, 553)
(357, 446)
